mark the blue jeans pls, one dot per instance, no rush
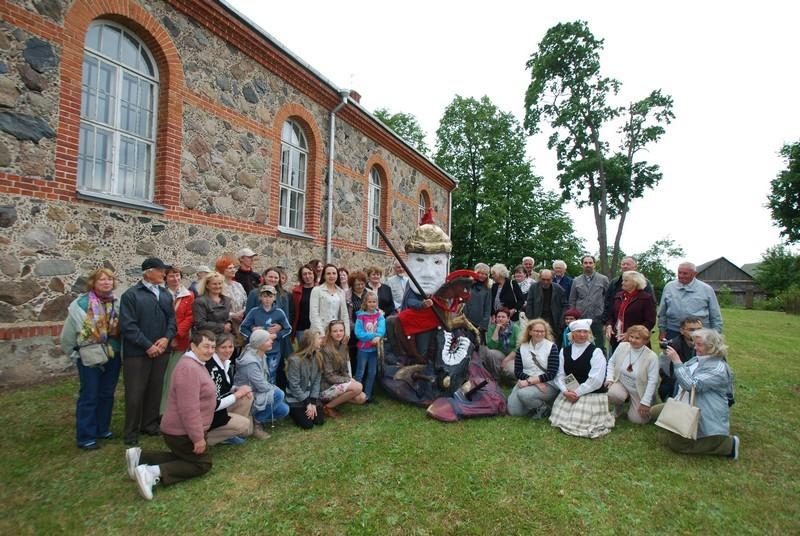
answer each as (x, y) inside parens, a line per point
(272, 360)
(275, 412)
(95, 400)
(367, 359)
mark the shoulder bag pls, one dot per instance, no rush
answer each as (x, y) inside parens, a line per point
(93, 354)
(680, 418)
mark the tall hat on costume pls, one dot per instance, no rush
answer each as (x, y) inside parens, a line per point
(428, 237)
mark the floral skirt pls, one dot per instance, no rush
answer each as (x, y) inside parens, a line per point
(333, 391)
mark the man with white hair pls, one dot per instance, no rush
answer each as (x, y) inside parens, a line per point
(561, 277)
(528, 263)
(684, 297)
(627, 264)
(398, 283)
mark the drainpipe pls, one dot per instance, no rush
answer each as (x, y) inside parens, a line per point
(450, 223)
(343, 93)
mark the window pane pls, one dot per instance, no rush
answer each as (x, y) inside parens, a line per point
(143, 186)
(301, 208)
(102, 160)
(105, 94)
(284, 219)
(126, 174)
(93, 37)
(145, 65)
(109, 42)
(129, 53)
(86, 157)
(88, 91)
(301, 171)
(286, 132)
(285, 166)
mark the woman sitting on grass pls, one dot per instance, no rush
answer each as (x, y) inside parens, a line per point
(251, 369)
(190, 410)
(711, 378)
(303, 379)
(633, 374)
(338, 385)
(582, 407)
(232, 421)
(535, 366)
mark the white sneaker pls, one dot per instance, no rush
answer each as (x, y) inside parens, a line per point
(132, 459)
(146, 480)
(736, 445)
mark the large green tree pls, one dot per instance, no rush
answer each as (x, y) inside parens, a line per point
(500, 210)
(597, 143)
(404, 125)
(784, 200)
(653, 262)
(778, 270)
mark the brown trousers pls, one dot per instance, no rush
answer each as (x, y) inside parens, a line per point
(180, 463)
(144, 379)
(241, 424)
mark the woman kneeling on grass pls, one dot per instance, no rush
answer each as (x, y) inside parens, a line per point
(251, 369)
(633, 373)
(338, 385)
(711, 378)
(303, 379)
(190, 410)
(582, 407)
(535, 366)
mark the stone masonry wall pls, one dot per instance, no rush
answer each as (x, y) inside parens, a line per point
(229, 105)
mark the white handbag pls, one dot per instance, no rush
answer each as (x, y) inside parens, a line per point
(680, 418)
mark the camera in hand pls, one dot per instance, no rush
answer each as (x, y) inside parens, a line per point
(663, 344)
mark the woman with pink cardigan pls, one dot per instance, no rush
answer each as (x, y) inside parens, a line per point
(190, 410)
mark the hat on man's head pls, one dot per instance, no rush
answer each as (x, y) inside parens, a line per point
(267, 289)
(245, 252)
(203, 268)
(154, 263)
(429, 237)
(584, 324)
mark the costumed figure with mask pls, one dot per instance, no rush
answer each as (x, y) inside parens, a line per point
(428, 359)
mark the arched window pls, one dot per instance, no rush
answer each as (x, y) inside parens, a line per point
(294, 161)
(374, 210)
(424, 204)
(119, 96)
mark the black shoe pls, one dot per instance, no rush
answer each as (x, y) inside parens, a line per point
(153, 433)
(132, 442)
(107, 435)
(89, 446)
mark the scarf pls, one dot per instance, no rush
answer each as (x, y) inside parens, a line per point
(503, 337)
(101, 321)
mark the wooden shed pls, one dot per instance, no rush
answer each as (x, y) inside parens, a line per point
(722, 272)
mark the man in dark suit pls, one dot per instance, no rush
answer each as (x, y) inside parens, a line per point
(547, 301)
(147, 323)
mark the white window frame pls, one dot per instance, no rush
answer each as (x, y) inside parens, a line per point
(294, 178)
(113, 188)
(374, 207)
(424, 204)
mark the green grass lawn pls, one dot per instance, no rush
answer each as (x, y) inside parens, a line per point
(389, 469)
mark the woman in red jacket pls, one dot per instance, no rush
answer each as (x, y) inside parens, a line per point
(631, 306)
(182, 300)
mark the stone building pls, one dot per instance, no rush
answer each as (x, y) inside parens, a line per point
(177, 128)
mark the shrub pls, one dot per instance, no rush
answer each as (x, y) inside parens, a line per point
(725, 296)
(791, 300)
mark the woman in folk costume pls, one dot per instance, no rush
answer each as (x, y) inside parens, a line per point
(581, 409)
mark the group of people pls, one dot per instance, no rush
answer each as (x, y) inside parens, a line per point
(236, 351)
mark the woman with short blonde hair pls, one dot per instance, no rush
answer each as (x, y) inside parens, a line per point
(535, 367)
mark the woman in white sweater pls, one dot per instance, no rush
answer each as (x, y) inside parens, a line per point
(328, 302)
(632, 373)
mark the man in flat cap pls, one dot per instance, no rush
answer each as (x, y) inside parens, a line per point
(147, 323)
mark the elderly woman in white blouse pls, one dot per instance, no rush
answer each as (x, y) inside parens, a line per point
(581, 409)
(633, 374)
(328, 302)
(535, 367)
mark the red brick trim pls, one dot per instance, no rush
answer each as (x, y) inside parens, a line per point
(12, 332)
(220, 22)
(169, 136)
(30, 22)
(315, 177)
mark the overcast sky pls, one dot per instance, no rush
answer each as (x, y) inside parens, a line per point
(731, 67)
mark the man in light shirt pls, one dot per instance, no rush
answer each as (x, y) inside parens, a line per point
(687, 296)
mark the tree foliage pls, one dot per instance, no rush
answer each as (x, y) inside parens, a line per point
(406, 126)
(569, 91)
(500, 210)
(654, 262)
(779, 269)
(784, 199)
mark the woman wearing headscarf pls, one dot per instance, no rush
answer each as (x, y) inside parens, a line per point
(581, 409)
